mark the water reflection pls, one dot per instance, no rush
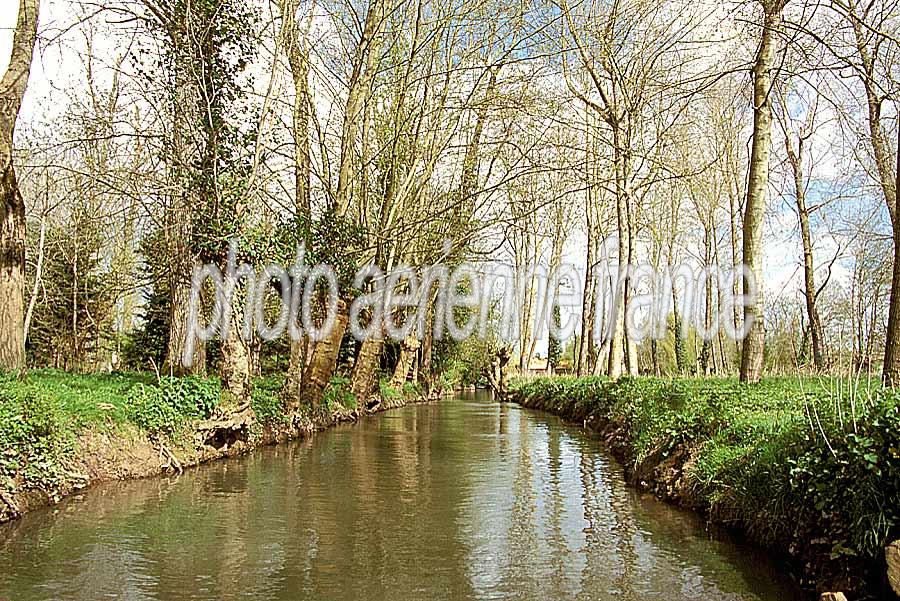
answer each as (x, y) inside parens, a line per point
(460, 500)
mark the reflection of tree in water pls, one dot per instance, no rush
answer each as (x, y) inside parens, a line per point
(520, 563)
(559, 553)
(454, 500)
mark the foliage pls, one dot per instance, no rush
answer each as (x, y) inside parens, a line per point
(35, 438)
(164, 408)
(462, 363)
(266, 400)
(72, 316)
(337, 394)
(388, 392)
(145, 347)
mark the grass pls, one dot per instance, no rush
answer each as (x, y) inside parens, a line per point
(808, 461)
(84, 400)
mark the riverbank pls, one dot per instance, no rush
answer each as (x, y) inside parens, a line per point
(61, 432)
(809, 468)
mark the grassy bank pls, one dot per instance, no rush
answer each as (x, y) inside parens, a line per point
(60, 432)
(810, 467)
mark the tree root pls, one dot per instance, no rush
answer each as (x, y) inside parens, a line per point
(224, 429)
(172, 461)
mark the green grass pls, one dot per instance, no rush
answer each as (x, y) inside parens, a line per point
(84, 400)
(789, 459)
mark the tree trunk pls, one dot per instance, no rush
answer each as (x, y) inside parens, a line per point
(587, 304)
(734, 211)
(706, 350)
(757, 191)
(38, 273)
(890, 186)
(324, 353)
(680, 350)
(891, 371)
(362, 378)
(293, 383)
(297, 50)
(235, 369)
(325, 356)
(189, 136)
(12, 204)
(795, 158)
(404, 363)
(176, 363)
(12, 263)
(497, 375)
(617, 332)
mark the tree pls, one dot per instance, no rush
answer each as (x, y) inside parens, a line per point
(796, 158)
(12, 204)
(870, 43)
(757, 189)
(554, 346)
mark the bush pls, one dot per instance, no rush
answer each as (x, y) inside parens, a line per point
(388, 392)
(337, 393)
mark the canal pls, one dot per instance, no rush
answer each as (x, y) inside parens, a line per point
(463, 499)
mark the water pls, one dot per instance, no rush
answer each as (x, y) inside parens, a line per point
(464, 499)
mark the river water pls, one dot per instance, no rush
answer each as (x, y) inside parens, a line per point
(464, 499)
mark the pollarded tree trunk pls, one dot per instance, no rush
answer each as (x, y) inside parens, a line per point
(362, 378)
(404, 363)
(177, 363)
(325, 356)
(236, 361)
(324, 353)
(497, 375)
(12, 204)
(757, 192)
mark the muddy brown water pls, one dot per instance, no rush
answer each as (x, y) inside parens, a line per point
(464, 499)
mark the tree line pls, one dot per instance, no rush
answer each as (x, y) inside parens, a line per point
(410, 132)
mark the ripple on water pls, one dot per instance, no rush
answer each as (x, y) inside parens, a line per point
(463, 499)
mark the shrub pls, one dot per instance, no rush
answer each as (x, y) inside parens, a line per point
(388, 392)
(338, 393)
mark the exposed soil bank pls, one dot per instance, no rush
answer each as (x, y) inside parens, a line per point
(104, 456)
(665, 464)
